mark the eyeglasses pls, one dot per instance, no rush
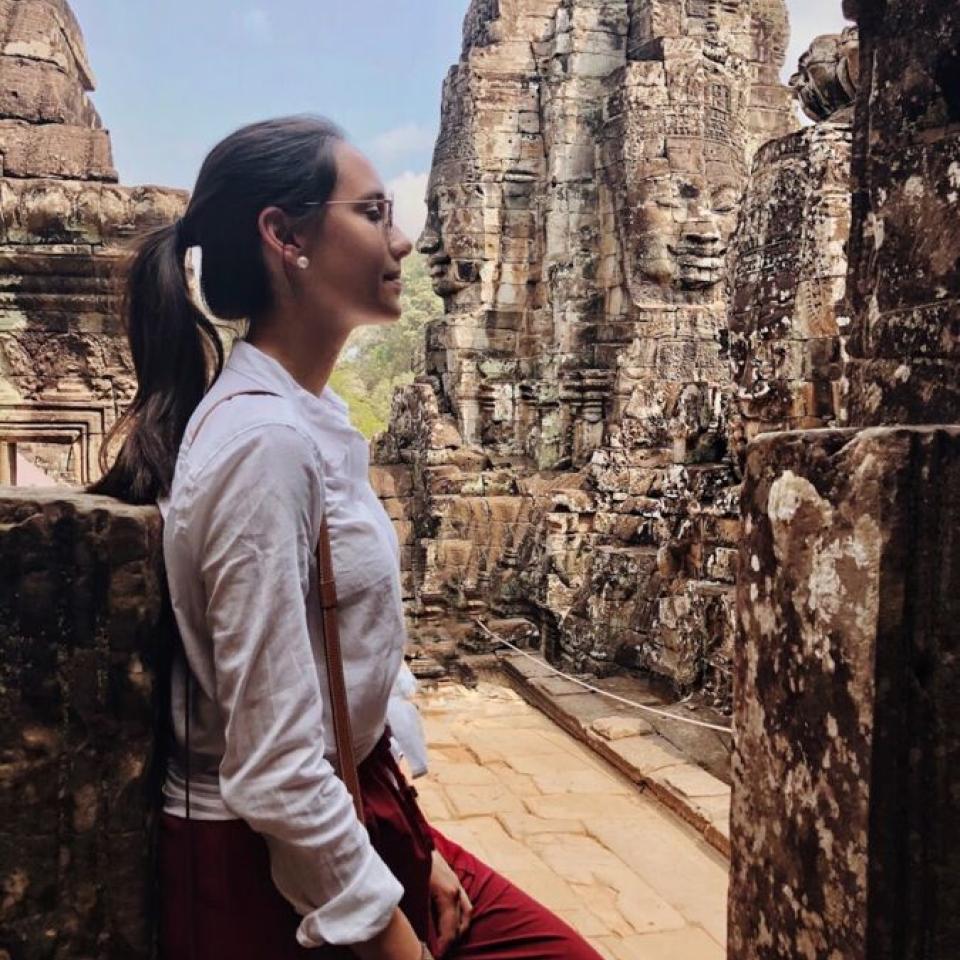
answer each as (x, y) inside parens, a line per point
(384, 207)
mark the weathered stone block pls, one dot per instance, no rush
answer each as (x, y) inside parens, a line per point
(84, 633)
(41, 92)
(48, 211)
(846, 804)
(55, 150)
(45, 31)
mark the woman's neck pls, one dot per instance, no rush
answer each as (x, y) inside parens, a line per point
(307, 353)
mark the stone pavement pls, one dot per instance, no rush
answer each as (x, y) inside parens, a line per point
(524, 796)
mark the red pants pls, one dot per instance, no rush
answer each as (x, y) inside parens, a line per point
(229, 908)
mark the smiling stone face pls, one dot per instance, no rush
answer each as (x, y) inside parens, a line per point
(683, 225)
(480, 200)
(677, 153)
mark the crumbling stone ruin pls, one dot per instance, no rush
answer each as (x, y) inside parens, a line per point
(568, 454)
(64, 369)
(788, 263)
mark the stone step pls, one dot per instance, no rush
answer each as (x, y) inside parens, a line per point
(648, 760)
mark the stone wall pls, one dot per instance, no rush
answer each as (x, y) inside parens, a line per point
(845, 800)
(65, 372)
(83, 635)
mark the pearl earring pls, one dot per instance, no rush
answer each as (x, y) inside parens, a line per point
(303, 263)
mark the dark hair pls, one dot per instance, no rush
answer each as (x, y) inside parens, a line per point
(177, 354)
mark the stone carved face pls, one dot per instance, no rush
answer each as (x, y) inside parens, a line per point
(682, 226)
(453, 257)
(829, 72)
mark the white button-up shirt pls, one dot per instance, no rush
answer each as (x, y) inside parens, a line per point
(241, 525)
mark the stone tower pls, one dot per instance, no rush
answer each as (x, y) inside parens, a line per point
(567, 444)
(64, 369)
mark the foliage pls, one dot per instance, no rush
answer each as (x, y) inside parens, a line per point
(379, 359)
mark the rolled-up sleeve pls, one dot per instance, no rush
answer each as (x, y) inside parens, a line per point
(257, 510)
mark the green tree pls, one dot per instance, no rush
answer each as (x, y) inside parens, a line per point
(379, 359)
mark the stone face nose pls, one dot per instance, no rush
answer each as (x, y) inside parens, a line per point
(703, 233)
(429, 241)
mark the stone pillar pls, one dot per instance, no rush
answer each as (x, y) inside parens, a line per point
(846, 804)
(83, 631)
(846, 801)
(904, 274)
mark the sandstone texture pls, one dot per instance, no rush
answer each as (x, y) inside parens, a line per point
(905, 278)
(82, 638)
(845, 814)
(788, 265)
(845, 787)
(568, 444)
(65, 371)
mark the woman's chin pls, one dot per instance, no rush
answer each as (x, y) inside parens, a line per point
(388, 312)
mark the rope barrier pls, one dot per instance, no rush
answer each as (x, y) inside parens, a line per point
(604, 693)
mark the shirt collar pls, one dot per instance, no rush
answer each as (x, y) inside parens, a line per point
(248, 360)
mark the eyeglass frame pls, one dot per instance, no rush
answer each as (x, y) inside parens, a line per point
(389, 204)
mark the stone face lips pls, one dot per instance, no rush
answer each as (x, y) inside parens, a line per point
(83, 637)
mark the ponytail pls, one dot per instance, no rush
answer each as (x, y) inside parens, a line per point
(177, 354)
(289, 163)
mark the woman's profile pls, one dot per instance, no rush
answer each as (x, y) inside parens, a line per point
(263, 855)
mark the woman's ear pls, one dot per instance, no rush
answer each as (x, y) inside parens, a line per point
(275, 233)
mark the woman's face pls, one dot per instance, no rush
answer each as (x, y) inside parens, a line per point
(354, 273)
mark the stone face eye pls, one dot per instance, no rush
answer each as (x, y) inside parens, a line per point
(467, 271)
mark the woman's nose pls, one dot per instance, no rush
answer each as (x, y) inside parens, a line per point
(400, 244)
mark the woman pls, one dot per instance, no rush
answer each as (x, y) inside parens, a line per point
(262, 852)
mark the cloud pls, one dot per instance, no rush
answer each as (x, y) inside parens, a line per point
(401, 142)
(410, 191)
(256, 23)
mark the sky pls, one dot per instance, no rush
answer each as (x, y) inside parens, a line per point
(174, 77)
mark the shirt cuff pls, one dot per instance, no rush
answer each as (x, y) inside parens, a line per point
(358, 913)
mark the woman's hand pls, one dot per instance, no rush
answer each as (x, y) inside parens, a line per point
(452, 906)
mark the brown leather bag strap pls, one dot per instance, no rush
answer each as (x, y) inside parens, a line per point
(347, 762)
